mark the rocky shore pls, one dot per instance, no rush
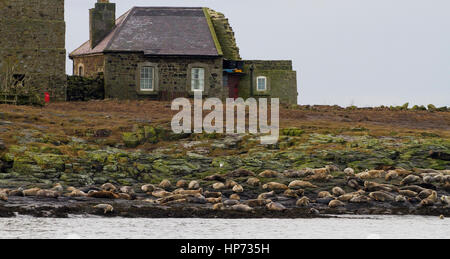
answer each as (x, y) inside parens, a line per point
(115, 159)
(240, 194)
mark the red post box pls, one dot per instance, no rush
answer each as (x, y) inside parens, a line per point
(47, 97)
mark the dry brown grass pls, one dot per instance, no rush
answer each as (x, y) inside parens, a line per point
(119, 116)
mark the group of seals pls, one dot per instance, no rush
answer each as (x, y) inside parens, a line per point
(270, 190)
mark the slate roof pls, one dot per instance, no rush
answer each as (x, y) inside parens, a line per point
(182, 31)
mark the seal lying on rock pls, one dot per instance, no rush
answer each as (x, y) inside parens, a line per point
(274, 206)
(349, 171)
(445, 200)
(109, 187)
(257, 203)
(148, 188)
(218, 206)
(3, 196)
(337, 191)
(298, 173)
(58, 188)
(103, 195)
(414, 188)
(335, 204)
(208, 194)
(165, 184)
(171, 198)
(381, 196)
(275, 186)
(213, 200)
(105, 207)
(160, 193)
(240, 173)
(372, 174)
(76, 193)
(252, 181)
(193, 185)
(229, 184)
(238, 188)
(410, 179)
(178, 201)
(391, 175)
(424, 194)
(358, 198)
(47, 194)
(400, 199)
(346, 197)
(269, 174)
(127, 189)
(125, 196)
(353, 183)
(31, 192)
(303, 202)
(266, 195)
(408, 193)
(189, 192)
(235, 196)
(242, 207)
(218, 186)
(301, 184)
(230, 202)
(324, 194)
(182, 184)
(430, 200)
(293, 193)
(373, 187)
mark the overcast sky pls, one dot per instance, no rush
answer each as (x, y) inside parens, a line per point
(361, 52)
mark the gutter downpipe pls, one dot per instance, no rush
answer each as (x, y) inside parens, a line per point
(252, 68)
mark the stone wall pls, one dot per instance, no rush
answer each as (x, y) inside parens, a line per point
(92, 65)
(282, 80)
(33, 40)
(172, 75)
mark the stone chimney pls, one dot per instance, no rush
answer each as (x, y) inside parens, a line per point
(102, 20)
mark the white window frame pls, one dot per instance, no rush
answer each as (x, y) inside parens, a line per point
(142, 79)
(81, 71)
(265, 84)
(199, 80)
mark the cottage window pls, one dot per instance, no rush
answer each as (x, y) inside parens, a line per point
(198, 79)
(261, 83)
(147, 78)
(81, 70)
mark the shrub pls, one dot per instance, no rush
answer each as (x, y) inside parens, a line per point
(85, 89)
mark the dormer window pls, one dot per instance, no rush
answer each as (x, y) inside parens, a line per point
(261, 83)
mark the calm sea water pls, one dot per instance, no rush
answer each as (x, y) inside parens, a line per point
(372, 227)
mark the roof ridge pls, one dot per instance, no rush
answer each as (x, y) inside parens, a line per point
(171, 7)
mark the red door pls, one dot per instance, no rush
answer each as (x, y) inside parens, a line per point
(233, 86)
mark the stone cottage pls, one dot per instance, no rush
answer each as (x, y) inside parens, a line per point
(32, 44)
(168, 52)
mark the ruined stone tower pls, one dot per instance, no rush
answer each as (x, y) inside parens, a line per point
(32, 38)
